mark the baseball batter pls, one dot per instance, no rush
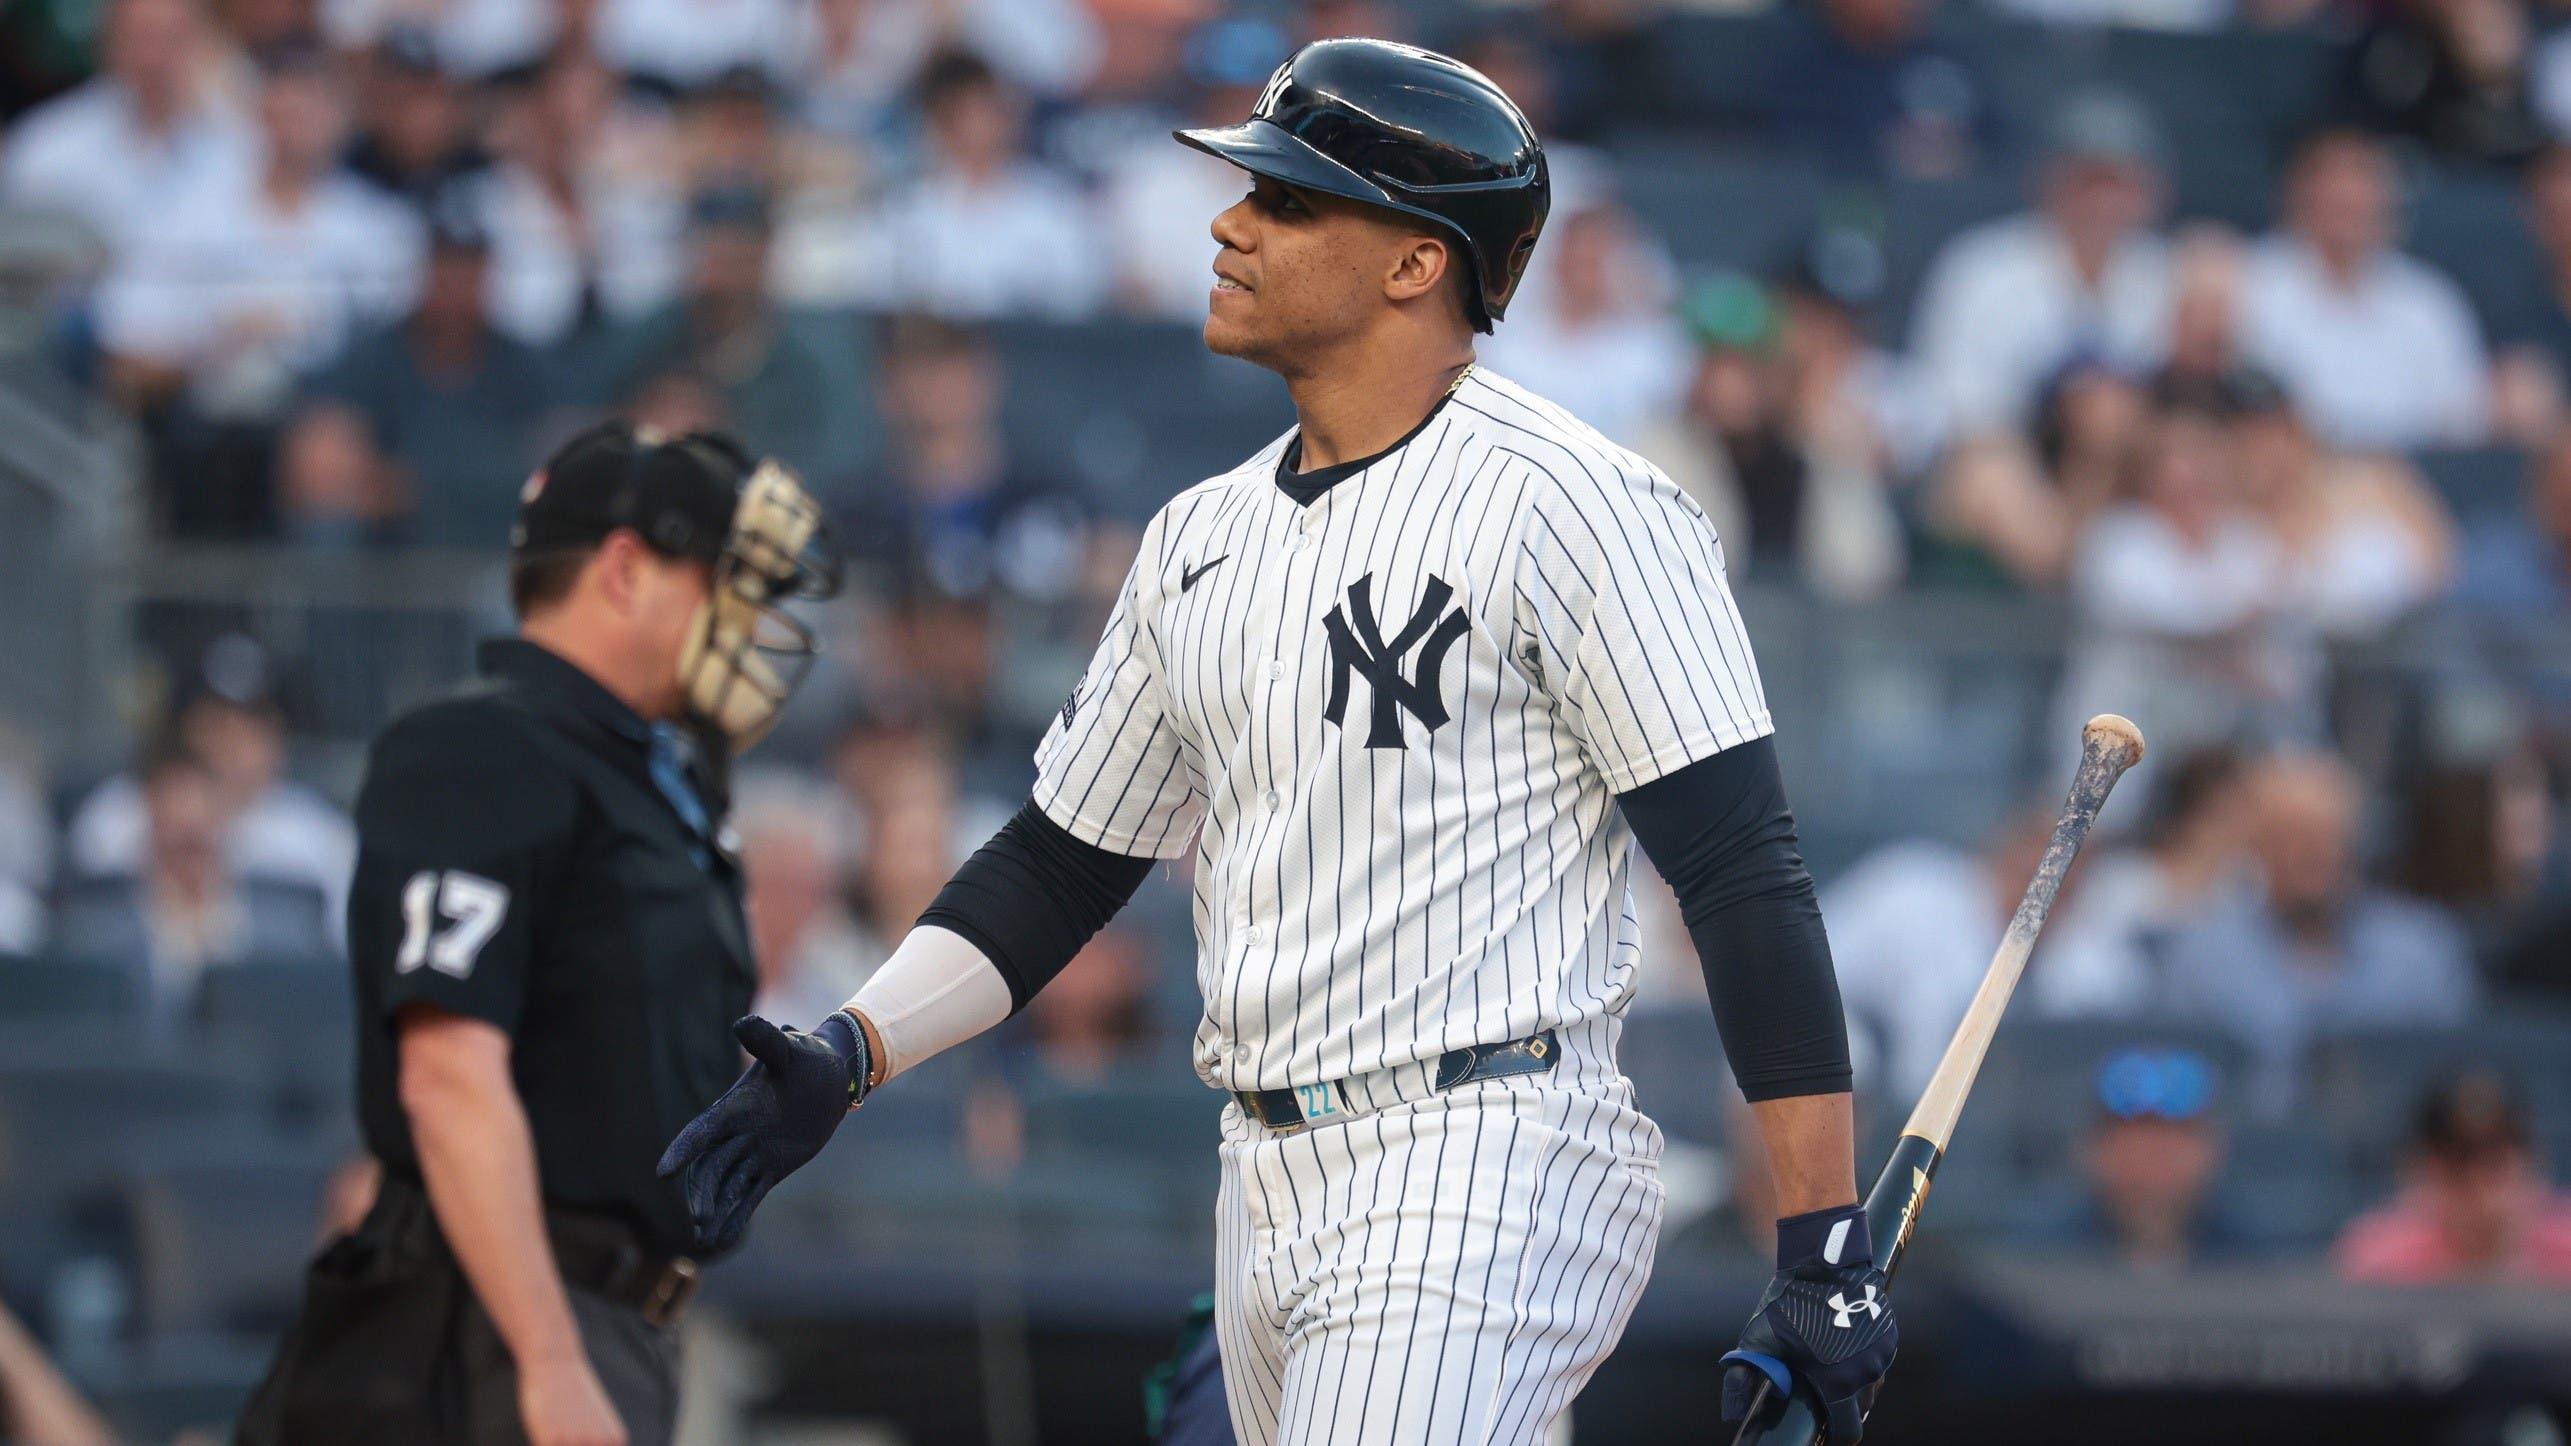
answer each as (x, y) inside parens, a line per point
(1408, 681)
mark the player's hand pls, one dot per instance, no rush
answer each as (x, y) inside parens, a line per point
(776, 1116)
(561, 1403)
(1824, 1328)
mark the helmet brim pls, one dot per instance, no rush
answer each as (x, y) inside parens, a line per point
(1264, 148)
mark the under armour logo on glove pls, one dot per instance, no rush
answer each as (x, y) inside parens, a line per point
(1824, 1329)
(1871, 1305)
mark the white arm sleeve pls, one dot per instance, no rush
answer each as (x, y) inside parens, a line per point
(936, 992)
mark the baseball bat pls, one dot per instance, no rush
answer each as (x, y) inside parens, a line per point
(2109, 745)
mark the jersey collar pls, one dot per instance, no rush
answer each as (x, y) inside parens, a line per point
(559, 682)
(1306, 487)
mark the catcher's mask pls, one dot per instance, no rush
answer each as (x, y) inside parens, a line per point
(701, 496)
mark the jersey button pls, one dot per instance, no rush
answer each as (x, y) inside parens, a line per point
(1276, 669)
(1302, 540)
(1274, 798)
(1241, 1054)
(1253, 935)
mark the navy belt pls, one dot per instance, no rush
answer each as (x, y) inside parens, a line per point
(1300, 1105)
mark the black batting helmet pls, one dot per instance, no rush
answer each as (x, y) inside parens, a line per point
(1397, 126)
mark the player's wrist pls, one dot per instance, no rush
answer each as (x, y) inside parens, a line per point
(846, 1035)
(1836, 1238)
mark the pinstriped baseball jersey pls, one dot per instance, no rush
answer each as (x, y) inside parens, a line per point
(1395, 720)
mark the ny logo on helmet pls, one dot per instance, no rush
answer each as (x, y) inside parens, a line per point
(1357, 646)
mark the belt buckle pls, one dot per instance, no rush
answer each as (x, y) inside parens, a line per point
(671, 1293)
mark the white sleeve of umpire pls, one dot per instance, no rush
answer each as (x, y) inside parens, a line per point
(1623, 610)
(936, 992)
(1112, 770)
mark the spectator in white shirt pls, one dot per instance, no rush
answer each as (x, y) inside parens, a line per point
(2380, 350)
(850, 61)
(248, 278)
(1912, 929)
(685, 43)
(2187, 599)
(1604, 347)
(582, 229)
(149, 126)
(984, 230)
(1158, 196)
(2083, 273)
(276, 828)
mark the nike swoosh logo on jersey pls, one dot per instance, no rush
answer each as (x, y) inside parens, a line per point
(1187, 576)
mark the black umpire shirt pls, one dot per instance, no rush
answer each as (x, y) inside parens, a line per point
(518, 863)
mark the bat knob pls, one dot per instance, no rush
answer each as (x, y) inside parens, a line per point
(2115, 738)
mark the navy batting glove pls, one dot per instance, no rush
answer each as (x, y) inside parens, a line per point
(1824, 1328)
(776, 1116)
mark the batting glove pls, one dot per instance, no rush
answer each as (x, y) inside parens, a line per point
(776, 1116)
(1824, 1327)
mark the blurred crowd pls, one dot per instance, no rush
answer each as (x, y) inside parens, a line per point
(2188, 384)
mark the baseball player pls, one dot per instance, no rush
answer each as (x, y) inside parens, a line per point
(1408, 681)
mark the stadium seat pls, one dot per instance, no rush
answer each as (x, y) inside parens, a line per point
(68, 988)
(291, 1023)
(1740, 208)
(2479, 484)
(222, 1230)
(2473, 228)
(1132, 411)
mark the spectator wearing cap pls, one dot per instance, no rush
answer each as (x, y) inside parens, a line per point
(1157, 195)
(2314, 949)
(2517, 570)
(226, 720)
(783, 385)
(587, 233)
(1865, 84)
(185, 910)
(984, 229)
(1603, 345)
(2084, 272)
(734, 132)
(151, 125)
(849, 62)
(2363, 541)
(425, 429)
(953, 511)
(1791, 498)
(2150, 1166)
(247, 281)
(2380, 350)
(2474, 1205)
(414, 131)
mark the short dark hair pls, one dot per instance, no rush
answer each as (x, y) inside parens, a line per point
(951, 72)
(539, 580)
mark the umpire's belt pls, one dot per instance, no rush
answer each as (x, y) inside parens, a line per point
(1288, 1110)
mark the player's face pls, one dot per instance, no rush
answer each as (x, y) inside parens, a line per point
(1298, 271)
(663, 598)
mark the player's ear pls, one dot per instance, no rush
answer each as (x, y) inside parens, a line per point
(1418, 268)
(617, 570)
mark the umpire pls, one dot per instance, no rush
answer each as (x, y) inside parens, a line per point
(547, 934)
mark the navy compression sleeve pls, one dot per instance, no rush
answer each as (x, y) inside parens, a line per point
(1719, 831)
(1032, 897)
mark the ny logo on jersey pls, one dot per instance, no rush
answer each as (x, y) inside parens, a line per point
(1357, 646)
